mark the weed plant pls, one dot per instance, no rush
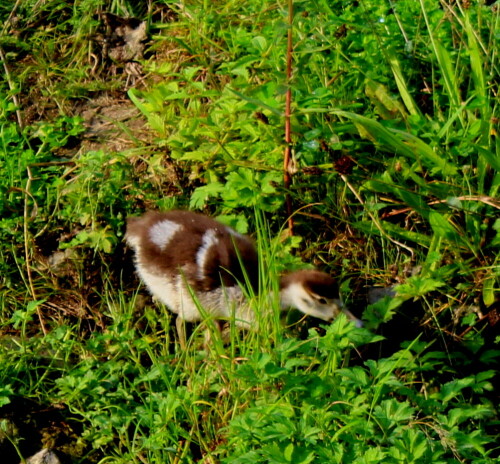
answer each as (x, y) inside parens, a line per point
(395, 185)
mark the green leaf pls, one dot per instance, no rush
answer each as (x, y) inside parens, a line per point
(443, 228)
(258, 103)
(417, 286)
(260, 43)
(355, 376)
(32, 306)
(100, 239)
(381, 311)
(202, 194)
(401, 83)
(372, 455)
(6, 392)
(288, 453)
(389, 412)
(452, 389)
(489, 156)
(490, 288)
(387, 106)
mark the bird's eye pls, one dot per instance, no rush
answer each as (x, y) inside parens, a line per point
(322, 301)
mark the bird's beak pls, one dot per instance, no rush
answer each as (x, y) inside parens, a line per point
(357, 322)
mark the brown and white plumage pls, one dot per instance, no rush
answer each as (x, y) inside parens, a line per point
(181, 253)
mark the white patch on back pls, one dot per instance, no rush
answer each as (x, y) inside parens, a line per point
(208, 240)
(162, 233)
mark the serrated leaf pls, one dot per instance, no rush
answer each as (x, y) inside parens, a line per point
(389, 412)
(201, 194)
(417, 286)
(157, 123)
(452, 389)
(33, 305)
(374, 455)
(355, 375)
(381, 311)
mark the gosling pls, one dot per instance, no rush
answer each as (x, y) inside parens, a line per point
(188, 260)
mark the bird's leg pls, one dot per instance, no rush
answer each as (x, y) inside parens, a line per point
(181, 332)
(219, 326)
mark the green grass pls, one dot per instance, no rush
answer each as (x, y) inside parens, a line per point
(395, 137)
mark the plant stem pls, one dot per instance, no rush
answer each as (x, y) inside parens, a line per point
(27, 251)
(3, 58)
(287, 175)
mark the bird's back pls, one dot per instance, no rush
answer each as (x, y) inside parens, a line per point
(175, 248)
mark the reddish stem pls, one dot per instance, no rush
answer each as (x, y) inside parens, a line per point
(287, 175)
